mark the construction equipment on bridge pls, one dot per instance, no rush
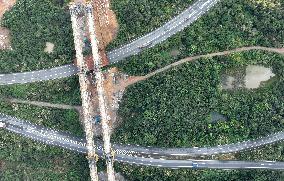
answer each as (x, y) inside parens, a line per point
(93, 156)
(85, 94)
(101, 93)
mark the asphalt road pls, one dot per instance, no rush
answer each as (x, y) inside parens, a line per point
(200, 164)
(203, 151)
(39, 134)
(149, 40)
(40, 75)
(68, 141)
(159, 35)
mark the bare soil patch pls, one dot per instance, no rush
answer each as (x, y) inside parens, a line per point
(42, 104)
(5, 5)
(105, 21)
(2, 165)
(5, 39)
(49, 47)
(115, 84)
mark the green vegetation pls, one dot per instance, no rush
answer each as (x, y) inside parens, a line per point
(172, 110)
(228, 25)
(32, 24)
(64, 91)
(65, 120)
(158, 174)
(22, 158)
(169, 110)
(138, 17)
(176, 105)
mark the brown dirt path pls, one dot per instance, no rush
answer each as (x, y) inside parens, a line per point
(188, 59)
(134, 79)
(123, 83)
(43, 104)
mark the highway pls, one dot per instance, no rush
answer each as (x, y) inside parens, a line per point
(159, 35)
(75, 10)
(101, 95)
(40, 75)
(67, 141)
(200, 164)
(203, 151)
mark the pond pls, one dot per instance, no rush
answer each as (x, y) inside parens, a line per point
(253, 76)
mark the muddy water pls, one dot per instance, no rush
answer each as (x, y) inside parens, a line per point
(254, 76)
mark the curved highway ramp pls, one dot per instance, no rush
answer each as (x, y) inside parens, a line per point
(149, 40)
(159, 35)
(67, 141)
(200, 164)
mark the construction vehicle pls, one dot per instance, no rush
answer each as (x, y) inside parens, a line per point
(93, 157)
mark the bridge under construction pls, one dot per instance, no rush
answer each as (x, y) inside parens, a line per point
(84, 13)
(82, 16)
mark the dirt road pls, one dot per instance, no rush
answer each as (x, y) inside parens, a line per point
(134, 79)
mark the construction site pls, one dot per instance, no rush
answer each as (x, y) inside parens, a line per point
(94, 25)
(80, 101)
